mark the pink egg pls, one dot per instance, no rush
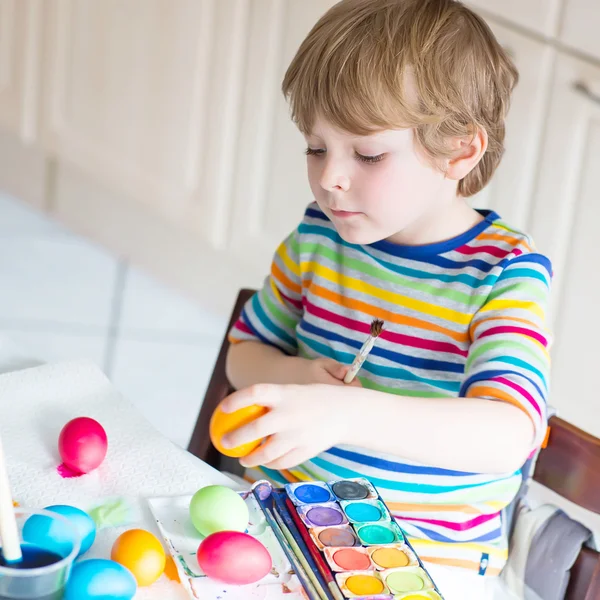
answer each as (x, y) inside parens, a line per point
(82, 444)
(234, 557)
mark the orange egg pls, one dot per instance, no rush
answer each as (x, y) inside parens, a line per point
(140, 552)
(222, 423)
(171, 569)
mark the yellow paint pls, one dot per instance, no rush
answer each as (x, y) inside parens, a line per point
(390, 558)
(363, 585)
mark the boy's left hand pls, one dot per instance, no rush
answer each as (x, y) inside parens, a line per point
(302, 422)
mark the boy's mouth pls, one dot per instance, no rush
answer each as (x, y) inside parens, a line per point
(344, 214)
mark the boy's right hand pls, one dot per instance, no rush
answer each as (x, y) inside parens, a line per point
(321, 370)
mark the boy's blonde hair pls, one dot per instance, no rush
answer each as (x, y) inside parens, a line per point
(353, 67)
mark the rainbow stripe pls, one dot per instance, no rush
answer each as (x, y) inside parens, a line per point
(465, 317)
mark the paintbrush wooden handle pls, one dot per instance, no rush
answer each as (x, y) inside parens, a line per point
(11, 545)
(360, 358)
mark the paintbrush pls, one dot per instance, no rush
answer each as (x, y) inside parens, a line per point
(9, 532)
(357, 363)
(314, 552)
(295, 549)
(303, 571)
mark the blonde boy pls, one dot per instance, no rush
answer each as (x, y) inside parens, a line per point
(402, 104)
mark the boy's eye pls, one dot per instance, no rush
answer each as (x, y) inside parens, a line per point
(369, 159)
(314, 151)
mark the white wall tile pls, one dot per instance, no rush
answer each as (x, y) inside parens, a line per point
(60, 279)
(150, 306)
(166, 381)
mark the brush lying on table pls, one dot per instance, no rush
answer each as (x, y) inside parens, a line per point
(357, 363)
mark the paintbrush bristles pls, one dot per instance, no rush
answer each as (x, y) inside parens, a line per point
(376, 327)
(375, 332)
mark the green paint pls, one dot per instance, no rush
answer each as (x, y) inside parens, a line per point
(376, 534)
(400, 582)
(114, 513)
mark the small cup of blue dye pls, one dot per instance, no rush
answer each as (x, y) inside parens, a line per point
(43, 572)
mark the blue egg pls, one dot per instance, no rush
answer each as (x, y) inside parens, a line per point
(100, 579)
(54, 535)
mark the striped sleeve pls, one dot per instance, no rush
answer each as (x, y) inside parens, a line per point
(509, 354)
(272, 314)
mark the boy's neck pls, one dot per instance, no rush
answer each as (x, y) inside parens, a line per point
(440, 224)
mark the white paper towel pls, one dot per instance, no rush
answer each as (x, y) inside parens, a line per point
(36, 403)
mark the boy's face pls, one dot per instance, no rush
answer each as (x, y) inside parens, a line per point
(374, 187)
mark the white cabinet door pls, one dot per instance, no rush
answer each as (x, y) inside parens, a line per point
(541, 16)
(144, 97)
(510, 191)
(20, 41)
(580, 25)
(271, 184)
(565, 225)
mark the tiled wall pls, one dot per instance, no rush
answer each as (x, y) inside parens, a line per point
(62, 297)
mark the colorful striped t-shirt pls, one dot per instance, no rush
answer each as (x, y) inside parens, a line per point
(464, 317)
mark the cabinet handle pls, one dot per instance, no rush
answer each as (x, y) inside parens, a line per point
(583, 89)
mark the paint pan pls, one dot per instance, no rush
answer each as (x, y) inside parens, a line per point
(353, 489)
(322, 515)
(426, 595)
(366, 511)
(392, 557)
(379, 534)
(348, 559)
(342, 536)
(407, 579)
(362, 584)
(313, 492)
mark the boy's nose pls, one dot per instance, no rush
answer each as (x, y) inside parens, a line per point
(332, 180)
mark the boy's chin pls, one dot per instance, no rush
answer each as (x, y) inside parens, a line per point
(358, 236)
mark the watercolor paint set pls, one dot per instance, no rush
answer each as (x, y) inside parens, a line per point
(343, 541)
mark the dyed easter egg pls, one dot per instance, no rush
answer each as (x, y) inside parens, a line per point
(140, 552)
(222, 423)
(99, 579)
(56, 536)
(217, 508)
(82, 444)
(234, 558)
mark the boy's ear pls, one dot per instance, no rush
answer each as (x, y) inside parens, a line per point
(467, 152)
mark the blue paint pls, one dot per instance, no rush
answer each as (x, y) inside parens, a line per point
(361, 512)
(312, 494)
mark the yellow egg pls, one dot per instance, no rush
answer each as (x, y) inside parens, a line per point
(222, 423)
(140, 552)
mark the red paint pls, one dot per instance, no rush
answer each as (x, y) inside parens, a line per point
(350, 559)
(67, 473)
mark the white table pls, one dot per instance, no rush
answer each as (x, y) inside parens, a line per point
(35, 403)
